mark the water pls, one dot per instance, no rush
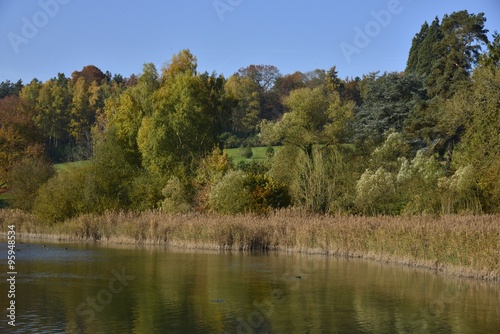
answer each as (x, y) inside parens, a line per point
(96, 289)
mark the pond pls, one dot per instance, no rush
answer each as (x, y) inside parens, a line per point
(82, 288)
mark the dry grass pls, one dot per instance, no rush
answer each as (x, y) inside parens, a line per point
(467, 246)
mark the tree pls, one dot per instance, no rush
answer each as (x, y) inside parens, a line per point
(186, 122)
(89, 74)
(314, 118)
(53, 116)
(263, 75)
(284, 85)
(388, 101)
(413, 57)
(8, 88)
(458, 52)
(82, 115)
(182, 62)
(480, 142)
(245, 101)
(127, 113)
(19, 135)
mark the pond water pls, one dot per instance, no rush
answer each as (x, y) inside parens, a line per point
(78, 288)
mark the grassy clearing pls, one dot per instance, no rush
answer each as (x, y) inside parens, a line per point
(70, 165)
(466, 246)
(259, 154)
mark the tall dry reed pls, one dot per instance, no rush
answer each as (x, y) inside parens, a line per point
(461, 245)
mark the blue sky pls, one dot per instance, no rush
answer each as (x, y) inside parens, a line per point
(43, 37)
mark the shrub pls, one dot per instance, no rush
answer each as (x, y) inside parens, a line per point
(176, 197)
(460, 192)
(146, 191)
(62, 197)
(417, 182)
(376, 192)
(210, 171)
(230, 195)
(246, 151)
(25, 178)
(270, 151)
(266, 193)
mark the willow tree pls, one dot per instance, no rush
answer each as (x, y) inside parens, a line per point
(312, 160)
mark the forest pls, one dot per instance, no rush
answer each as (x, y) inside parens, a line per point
(422, 141)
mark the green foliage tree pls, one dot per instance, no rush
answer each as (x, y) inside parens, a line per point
(416, 43)
(53, 116)
(186, 122)
(8, 88)
(480, 142)
(458, 52)
(177, 199)
(388, 101)
(314, 118)
(243, 94)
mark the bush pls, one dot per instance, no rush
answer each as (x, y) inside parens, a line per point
(376, 192)
(417, 182)
(146, 191)
(230, 195)
(266, 193)
(25, 179)
(246, 151)
(460, 192)
(176, 197)
(270, 152)
(239, 192)
(62, 197)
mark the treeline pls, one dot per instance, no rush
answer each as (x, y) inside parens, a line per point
(422, 141)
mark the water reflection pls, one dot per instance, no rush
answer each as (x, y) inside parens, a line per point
(95, 289)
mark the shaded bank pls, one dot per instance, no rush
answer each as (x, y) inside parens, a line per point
(466, 245)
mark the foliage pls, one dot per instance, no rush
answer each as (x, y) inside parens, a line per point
(460, 192)
(210, 171)
(230, 195)
(62, 197)
(246, 151)
(269, 151)
(388, 101)
(186, 122)
(390, 154)
(176, 197)
(418, 183)
(376, 192)
(25, 178)
(146, 191)
(314, 118)
(19, 135)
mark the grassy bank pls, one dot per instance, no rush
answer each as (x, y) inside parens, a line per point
(466, 246)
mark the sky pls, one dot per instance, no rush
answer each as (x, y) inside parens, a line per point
(40, 38)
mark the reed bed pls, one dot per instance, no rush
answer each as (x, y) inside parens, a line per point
(458, 245)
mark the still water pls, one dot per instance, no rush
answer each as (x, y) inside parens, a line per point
(68, 288)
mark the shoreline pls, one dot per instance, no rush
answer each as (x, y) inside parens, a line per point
(456, 246)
